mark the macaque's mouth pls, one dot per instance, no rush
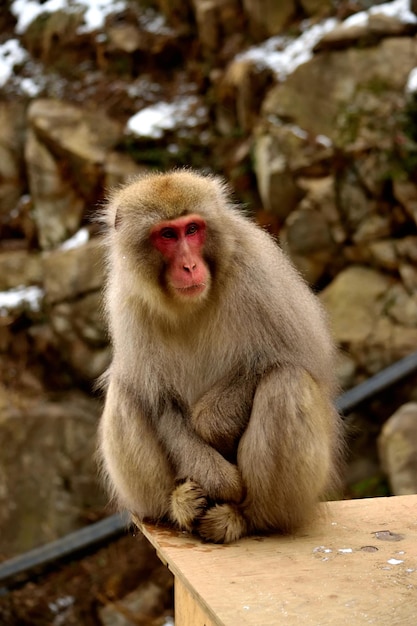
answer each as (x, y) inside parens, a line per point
(192, 290)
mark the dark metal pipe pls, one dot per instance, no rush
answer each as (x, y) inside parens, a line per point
(74, 543)
(80, 541)
(374, 385)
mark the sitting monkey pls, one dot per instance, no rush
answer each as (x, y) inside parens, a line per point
(219, 412)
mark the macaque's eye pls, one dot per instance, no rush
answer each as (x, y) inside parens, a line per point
(168, 233)
(192, 229)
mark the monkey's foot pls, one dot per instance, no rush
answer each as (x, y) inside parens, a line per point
(188, 503)
(222, 523)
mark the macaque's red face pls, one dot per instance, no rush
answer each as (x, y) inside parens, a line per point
(181, 242)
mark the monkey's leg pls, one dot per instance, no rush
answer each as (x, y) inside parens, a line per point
(137, 470)
(285, 457)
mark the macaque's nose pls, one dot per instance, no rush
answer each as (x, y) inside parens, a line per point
(189, 267)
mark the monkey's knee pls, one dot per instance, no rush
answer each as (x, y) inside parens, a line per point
(188, 502)
(222, 523)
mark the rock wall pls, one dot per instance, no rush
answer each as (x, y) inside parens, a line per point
(309, 111)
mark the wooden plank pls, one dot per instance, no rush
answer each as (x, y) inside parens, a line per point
(188, 611)
(356, 565)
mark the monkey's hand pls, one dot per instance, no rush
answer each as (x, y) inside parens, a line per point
(219, 479)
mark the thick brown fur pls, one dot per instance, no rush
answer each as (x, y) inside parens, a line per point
(230, 393)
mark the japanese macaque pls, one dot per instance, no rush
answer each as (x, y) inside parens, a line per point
(219, 415)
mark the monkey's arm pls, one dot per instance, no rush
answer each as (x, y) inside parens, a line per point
(195, 459)
(221, 415)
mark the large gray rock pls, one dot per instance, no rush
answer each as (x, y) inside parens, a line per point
(268, 18)
(313, 231)
(12, 132)
(81, 333)
(69, 274)
(215, 20)
(48, 474)
(365, 33)
(66, 155)
(239, 94)
(326, 121)
(18, 267)
(83, 136)
(339, 85)
(397, 445)
(58, 208)
(73, 281)
(358, 302)
(277, 185)
(355, 300)
(308, 241)
(406, 192)
(317, 7)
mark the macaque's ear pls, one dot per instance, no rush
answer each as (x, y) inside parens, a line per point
(117, 220)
